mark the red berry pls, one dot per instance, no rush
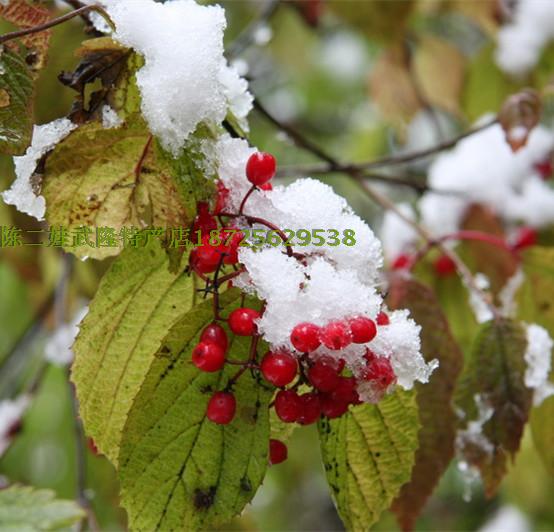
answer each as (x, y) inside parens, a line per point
(382, 318)
(545, 168)
(279, 368)
(221, 198)
(208, 356)
(260, 168)
(369, 355)
(215, 334)
(323, 374)
(205, 258)
(401, 262)
(336, 335)
(331, 407)
(204, 221)
(345, 392)
(444, 266)
(525, 238)
(266, 186)
(363, 330)
(231, 243)
(277, 452)
(310, 408)
(381, 372)
(241, 321)
(287, 406)
(305, 337)
(221, 408)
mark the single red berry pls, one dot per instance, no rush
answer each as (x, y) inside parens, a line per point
(215, 334)
(242, 321)
(207, 356)
(363, 330)
(444, 266)
(279, 368)
(545, 168)
(526, 237)
(331, 407)
(277, 452)
(310, 408)
(336, 335)
(382, 318)
(231, 243)
(205, 258)
(221, 408)
(266, 186)
(323, 374)
(345, 392)
(221, 198)
(380, 371)
(260, 168)
(287, 406)
(305, 337)
(402, 262)
(204, 221)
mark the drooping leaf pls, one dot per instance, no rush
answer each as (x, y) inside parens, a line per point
(542, 429)
(391, 86)
(19, 62)
(136, 304)
(383, 21)
(116, 178)
(368, 454)
(518, 116)
(434, 399)
(534, 305)
(432, 59)
(496, 263)
(534, 298)
(29, 509)
(493, 380)
(178, 470)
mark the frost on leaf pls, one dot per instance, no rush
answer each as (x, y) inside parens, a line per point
(491, 426)
(23, 192)
(538, 356)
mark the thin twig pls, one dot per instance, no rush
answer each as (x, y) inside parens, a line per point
(54, 22)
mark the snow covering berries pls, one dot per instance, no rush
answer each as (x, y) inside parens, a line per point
(332, 343)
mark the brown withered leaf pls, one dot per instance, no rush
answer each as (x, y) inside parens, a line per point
(494, 377)
(434, 399)
(519, 114)
(496, 263)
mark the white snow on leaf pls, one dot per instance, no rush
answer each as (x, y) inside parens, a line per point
(538, 356)
(481, 309)
(21, 193)
(110, 118)
(521, 41)
(58, 349)
(11, 412)
(185, 79)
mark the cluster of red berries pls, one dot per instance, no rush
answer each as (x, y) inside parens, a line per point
(208, 257)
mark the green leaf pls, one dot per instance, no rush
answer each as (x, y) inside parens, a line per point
(20, 61)
(535, 296)
(136, 304)
(27, 509)
(16, 93)
(368, 455)
(178, 470)
(91, 179)
(534, 300)
(542, 429)
(495, 376)
(434, 399)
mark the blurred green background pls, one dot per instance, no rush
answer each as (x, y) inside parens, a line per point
(319, 80)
